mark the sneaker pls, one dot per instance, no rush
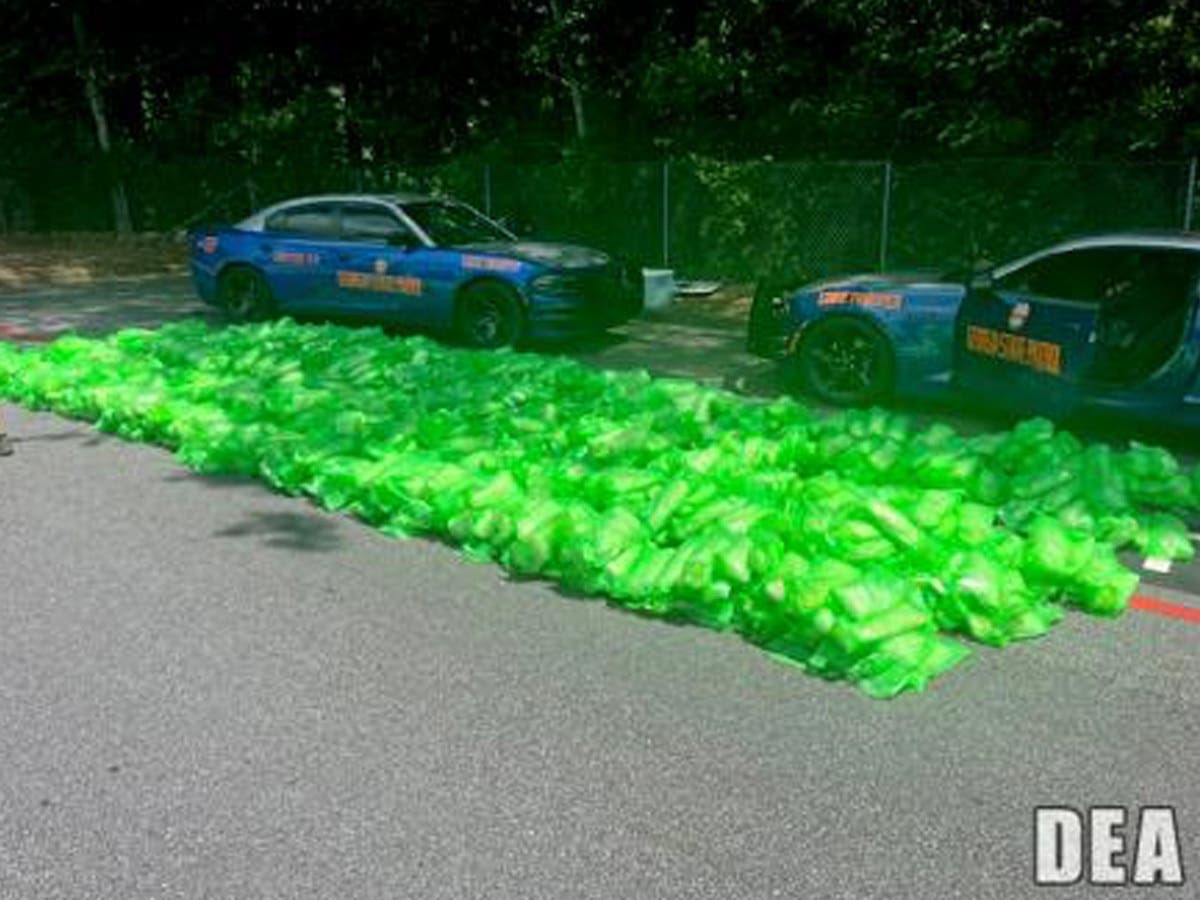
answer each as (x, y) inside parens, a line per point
(6, 447)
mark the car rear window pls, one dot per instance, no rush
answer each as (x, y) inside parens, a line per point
(310, 220)
(367, 222)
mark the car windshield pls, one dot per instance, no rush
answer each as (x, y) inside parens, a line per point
(449, 224)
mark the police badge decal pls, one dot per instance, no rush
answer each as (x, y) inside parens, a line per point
(1018, 316)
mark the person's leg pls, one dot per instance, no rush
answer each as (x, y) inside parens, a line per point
(6, 447)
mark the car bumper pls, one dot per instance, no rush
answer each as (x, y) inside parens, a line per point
(770, 328)
(204, 280)
(559, 317)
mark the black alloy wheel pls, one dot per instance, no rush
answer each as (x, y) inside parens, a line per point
(487, 317)
(846, 362)
(244, 295)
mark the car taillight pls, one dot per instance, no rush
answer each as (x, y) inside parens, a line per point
(208, 244)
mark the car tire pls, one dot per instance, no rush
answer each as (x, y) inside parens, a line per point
(487, 316)
(845, 361)
(244, 295)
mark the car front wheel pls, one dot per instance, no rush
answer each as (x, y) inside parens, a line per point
(488, 316)
(244, 295)
(846, 362)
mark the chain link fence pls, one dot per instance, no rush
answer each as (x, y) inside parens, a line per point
(740, 220)
(710, 219)
(703, 218)
(971, 211)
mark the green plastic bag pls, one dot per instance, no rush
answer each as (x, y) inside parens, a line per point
(842, 544)
(1055, 553)
(1165, 537)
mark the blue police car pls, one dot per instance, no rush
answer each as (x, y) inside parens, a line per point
(408, 260)
(1102, 323)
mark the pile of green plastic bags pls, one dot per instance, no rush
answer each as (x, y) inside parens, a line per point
(853, 545)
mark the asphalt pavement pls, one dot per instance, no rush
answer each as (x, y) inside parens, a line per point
(210, 690)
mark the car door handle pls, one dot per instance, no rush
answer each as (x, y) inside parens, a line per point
(343, 256)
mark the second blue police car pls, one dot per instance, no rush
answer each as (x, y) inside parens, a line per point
(409, 260)
(1107, 323)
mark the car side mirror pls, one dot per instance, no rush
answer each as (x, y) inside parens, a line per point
(982, 281)
(402, 241)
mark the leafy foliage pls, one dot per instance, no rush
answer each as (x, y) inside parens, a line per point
(307, 87)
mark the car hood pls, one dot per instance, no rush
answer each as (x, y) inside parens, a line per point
(558, 256)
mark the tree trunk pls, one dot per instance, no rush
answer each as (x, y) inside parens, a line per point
(95, 99)
(574, 89)
(577, 106)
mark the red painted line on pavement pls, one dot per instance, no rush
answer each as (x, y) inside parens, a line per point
(1163, 608)
(13, 333)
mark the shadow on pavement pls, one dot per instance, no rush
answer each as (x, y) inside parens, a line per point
(86, 437)
(307, 530)
(216, 481)
(75, 434)
(287, 531)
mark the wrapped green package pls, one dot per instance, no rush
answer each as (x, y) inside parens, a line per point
(1165, 537)
(850, 545)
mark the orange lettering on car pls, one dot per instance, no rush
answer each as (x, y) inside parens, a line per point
(389, 284)
(868, 299)
(1042, 356)
(291, 258)
(833, 298)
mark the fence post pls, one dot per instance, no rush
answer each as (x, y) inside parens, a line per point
(487, 189)
(1190, 202)
(666, 213)
(887, 210)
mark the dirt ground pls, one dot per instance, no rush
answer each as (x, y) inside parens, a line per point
(33, 260)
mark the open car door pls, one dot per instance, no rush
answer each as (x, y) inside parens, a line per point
(1026, 336)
